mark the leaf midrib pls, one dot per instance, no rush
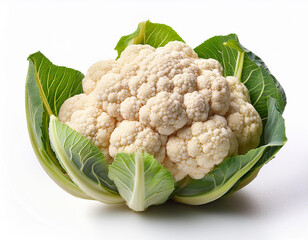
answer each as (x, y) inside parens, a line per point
(41, 91)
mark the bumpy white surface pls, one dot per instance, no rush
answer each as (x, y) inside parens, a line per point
(166, 102)
(133, 136)
(242, 118)
(197, 107)
(165, 112)
(197, 148)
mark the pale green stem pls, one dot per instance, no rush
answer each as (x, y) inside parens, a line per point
(137, 200)
(140, 38)
(239, 65)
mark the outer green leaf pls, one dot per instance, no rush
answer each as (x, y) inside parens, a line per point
(269, 152)
(56, 84)
(141, 180)
(154, 34)
(84, 162)
(255, 75)
(225, 175)
(260, 63)
(45, 80)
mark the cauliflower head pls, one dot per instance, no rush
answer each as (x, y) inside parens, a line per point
(166, 102)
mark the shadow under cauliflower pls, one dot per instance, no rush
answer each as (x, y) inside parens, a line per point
(166, 102)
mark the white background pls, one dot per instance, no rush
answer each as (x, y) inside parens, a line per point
(77, 34)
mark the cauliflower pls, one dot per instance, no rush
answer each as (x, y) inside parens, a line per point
(166, 102)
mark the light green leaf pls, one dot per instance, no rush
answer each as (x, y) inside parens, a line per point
(154, 34)
(47, 86)
(141, 180)
(83, 162)
(255, 75)
(226, 175)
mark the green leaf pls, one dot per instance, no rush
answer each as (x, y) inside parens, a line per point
(56, 84)
(141, 180)
(272, 132)
(255, 75)
(268, 155)
(154, 34)
(47, 87)
(221, 180)
(84, 162)
(261, 63)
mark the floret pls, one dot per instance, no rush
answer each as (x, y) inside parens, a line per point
(112, 90)
(134, 54)
(181, 48)
(96, 71)
(209, 64)
(215, 89)
(246, 124)
(197, 107)
(165, 112)
(75, 103)
(197, 149)
(177, 172)
(242, 117)
(237, 89)
(129, 108)
(133, 136)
